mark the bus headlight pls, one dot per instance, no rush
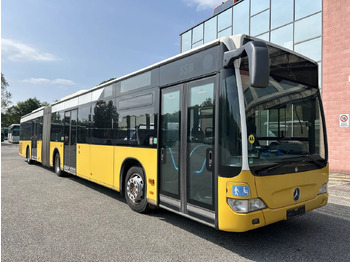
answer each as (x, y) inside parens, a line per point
(245, 205)
(323, 189)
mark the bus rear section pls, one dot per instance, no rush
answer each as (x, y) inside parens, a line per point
(279, 169)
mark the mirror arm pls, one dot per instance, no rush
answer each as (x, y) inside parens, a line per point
(230, 56)
(258, 58)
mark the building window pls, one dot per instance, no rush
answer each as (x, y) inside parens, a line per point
(210, 30)
(311, 49)
(259, 6)
(281, 12)
(226, 32)
(241, 18)
(186, 41)
(308, 28)
(283, 36)
(307, 7)
(225, 20)
(260, 23)
(265, 37)
(197, 36)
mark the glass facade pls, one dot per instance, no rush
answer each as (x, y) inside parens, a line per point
(293, 24)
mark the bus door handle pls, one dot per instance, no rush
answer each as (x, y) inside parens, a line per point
(210, 159)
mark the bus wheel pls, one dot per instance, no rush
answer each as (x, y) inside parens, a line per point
(135, 188)
(29, 161)
(57, 167)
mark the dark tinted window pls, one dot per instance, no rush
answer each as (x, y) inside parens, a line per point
(39, 128)
(230, 145)
(195, 65)
(26, 131)
(137, 125)
(84, 119)
(103, 118)
(138, 81)
(57, 125)
(138, 101)
(137, 129)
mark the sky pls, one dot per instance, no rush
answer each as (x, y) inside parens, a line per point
(53, 48)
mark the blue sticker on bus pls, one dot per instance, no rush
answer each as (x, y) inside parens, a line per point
(240, 191)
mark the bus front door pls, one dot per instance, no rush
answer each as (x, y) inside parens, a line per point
(70, 140)
(187, 149)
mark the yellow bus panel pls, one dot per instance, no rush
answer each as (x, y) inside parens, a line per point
(22, 149)
(101, 164)
(275, 191)
(83, 161)
(228, 220)
(39, 151)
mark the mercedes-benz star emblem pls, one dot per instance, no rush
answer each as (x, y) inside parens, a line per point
(296, 194)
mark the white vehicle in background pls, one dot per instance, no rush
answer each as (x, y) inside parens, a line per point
(13, 133)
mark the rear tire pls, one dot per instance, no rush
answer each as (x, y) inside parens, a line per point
(135, 190)
(29, 161)
(57, 165)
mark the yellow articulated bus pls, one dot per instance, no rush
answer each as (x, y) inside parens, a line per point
(230, 134)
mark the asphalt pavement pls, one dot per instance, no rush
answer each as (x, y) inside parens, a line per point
(50, 218)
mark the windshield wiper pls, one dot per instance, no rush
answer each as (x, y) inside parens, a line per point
(265, 171)
(318, 163)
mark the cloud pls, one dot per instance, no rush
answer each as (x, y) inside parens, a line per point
(203, 4)
(45, 81)
(15, 51)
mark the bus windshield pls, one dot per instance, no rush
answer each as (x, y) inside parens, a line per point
(15, 130)
(284, 120)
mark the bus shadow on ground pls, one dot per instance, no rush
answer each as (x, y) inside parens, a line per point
(320, 235)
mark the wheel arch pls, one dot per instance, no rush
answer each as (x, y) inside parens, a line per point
(29, 151)
(126, 165)
(54, 152)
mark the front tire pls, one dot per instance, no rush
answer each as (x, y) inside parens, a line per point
(57, 166)
(135, 189)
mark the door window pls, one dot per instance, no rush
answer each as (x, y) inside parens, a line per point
(170, 142)
(200, 138)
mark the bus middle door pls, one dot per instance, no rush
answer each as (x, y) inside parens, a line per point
(34, 139)
(70, 140)
(187, 149)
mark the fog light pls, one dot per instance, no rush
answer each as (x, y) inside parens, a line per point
(246, 205)
(323, 189)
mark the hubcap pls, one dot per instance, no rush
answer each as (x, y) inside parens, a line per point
(134, 187)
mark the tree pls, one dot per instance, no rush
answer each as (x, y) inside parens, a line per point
(106, 81)
(5, 95)
(14, 113)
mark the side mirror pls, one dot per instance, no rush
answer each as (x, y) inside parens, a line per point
(258, 59)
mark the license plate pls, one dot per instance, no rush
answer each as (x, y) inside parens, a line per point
(298, 211)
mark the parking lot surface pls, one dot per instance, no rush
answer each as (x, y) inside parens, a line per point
(49, 218)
